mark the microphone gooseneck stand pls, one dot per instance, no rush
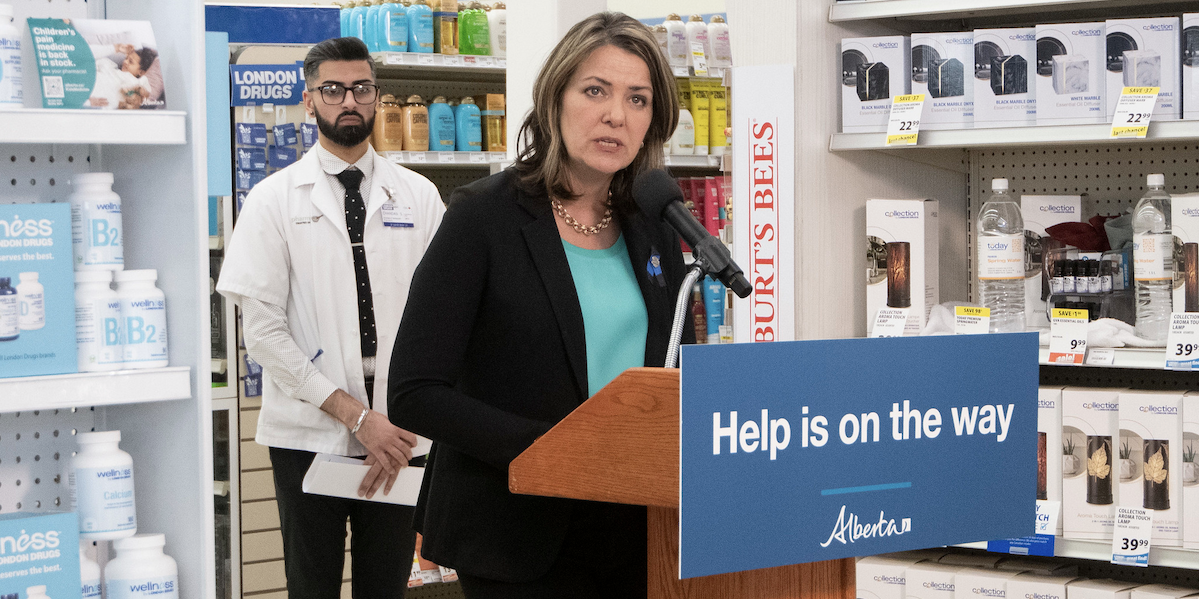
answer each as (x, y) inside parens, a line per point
(698, 269)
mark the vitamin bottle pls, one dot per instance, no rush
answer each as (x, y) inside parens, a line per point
(101, 482)
(144, 312)
(141, 570)
(11, 95)
(89, 572)
(36, 592)
(97, 322)
(96, 232)
(31, 299)
(10, 311)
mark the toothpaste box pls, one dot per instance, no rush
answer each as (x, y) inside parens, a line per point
(1005, 93)
(982, 583)
(902, 249)
(1145, 53)
(1104, 588)
(880, 577)
(37, 291)
(1190, 471)
(1049, 441)
(930, 581)
(1070, 74)
(1150, 460)
(873, 71)
(1040, 213)
(1184, 221)
(1190, 62)
(40, 549)
(940, 63)
(1090, 431)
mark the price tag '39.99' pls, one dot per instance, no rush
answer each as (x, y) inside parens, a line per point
(1182, 342)
(1130, 539)
(904, 126)
(1133, 112)
(1068, 336)
(889, 322)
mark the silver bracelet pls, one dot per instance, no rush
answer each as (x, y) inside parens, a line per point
(361, 419)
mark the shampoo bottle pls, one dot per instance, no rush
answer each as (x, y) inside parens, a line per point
(683, 140)
(416, 125)
(718, 119)
(697, 33)
(388, 135)
(700, 107)
(393, 27)
(343, 13)
(718, 39)
(358, 20)
(662, 37)
(372, 26)
(441, 126)
(474, 36)
(420, 27)
(469, 136)
(497, 26)
(676, 43)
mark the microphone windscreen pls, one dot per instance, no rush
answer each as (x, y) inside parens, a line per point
(654, 190)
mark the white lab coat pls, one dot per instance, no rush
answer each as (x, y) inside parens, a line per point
(291, 248)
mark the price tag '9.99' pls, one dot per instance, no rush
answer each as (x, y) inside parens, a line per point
(904, 127)
(1068, 336)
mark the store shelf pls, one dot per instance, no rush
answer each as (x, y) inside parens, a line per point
(1170, 557)
(435, 62)
(692, 161)
(1153, 358)
(960, 9)
(446, 159)
(95, 389)
(129, 127)
(1017, 136)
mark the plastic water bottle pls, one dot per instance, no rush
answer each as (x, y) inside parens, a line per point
(1153, 264)
(1001, 260)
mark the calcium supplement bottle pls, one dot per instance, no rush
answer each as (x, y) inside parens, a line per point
(141, 570)
(101, 481)
(144, 312)
(97, 237)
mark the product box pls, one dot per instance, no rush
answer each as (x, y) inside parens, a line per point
(972, 560)
(940, 62)
(250, 134)
(1104, 588)
(1184, 222)
(917, 555)
(1005, 93)
(930, 581)
(1070, 74)
(881, 577)
(1040, 213)
(902, 249)
(1144, 52)
(1151, 459)
(1190, 62)
(873, 70)
(37, 291)
(1190, 470)
(1038, 566)
(982, 583)
(1162, 591)
(1036, 586)
(251, 159)
(1090, 428)
(40, 549)
(1049, 441)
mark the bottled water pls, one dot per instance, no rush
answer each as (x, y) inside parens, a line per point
(1001, 260)
(1153, 264)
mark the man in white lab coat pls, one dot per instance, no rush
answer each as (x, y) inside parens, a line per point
(319, 263)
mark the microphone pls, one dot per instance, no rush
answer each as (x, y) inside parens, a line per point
(659, 196)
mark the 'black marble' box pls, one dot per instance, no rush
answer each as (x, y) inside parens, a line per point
(946, 78)
(874, 82)
(1009, 75)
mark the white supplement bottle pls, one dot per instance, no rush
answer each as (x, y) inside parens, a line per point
(31, 297)
(11, 95)
(97, 237)
(144, 311)
(101, 481)
(10, 311)
(141, 570)
(37, 592)
(89, 572)
(98, 322)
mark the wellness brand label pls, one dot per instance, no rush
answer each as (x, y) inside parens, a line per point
(780, 467)
(104, 497)
(162, 587)
(93, 63)
(39, 549)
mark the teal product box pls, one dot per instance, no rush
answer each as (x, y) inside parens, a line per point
(40, 549)
(37, 291)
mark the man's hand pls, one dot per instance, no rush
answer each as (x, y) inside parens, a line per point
(388, 447)
(374, 477)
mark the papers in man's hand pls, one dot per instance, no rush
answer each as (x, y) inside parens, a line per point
(339, 476)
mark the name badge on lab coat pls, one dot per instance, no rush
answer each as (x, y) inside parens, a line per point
(398, 216)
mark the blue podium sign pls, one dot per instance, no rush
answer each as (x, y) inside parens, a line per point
(805, 451)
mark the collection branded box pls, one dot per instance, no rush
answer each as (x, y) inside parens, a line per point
(982, 583)
(928, 580)
(1049, 439)
(1070, 74)
(1162, 591)
(40, 549)
(1184, 222)
(1036, 586)
(902, 248)
(972, 560)
(1039, 566)
(1190, 62)
(880, 577)
(1090, 428)
(917, 555)
(1100, 589)
(1005, 94)
(1190, 470)
(1150, 460)
(1144, 53)
(37, 291)
(873, 70)
(1040, 213)
(939, 66)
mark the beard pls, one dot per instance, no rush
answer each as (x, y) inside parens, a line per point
(346, 135)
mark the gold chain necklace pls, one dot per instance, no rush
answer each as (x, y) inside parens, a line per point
(580, 227)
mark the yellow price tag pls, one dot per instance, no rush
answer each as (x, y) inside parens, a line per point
(1133, 112)
(903, 128)
(1068, 313)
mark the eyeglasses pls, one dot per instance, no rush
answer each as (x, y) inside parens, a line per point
(364, 93)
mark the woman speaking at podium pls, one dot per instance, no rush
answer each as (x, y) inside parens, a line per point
(543, 284)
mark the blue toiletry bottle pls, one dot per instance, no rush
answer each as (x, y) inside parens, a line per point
(372, 26)
(441, 126)
(358, 21)
(714, 304)
(393, 27)
(10, 313)
(469, 134)
(420, 27)
(344, 15)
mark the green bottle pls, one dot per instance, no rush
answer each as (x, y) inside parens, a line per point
(474, 36)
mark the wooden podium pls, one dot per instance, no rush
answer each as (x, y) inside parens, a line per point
(622, 446)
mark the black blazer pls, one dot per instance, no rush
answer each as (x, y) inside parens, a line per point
(490, 354)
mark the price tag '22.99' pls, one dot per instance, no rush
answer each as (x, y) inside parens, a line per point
(904, 126)
(1133, 111)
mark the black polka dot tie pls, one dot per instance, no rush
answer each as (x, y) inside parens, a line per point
(351, 178)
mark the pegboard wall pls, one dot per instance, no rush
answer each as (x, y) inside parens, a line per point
(40, 173)
(35, 454)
